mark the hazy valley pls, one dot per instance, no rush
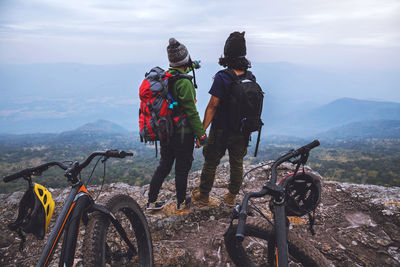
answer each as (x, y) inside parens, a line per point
(45, 110)
(360, 159)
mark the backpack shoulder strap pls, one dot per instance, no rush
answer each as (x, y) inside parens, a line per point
(179, 76)
(249, 75)
(230, 73)
(176, 77)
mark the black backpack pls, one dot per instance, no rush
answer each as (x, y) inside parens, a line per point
(244, 104)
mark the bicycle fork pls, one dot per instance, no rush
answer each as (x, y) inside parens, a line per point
(132, 250)
(280, 231)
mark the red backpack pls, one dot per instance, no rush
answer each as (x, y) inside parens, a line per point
(159, 114)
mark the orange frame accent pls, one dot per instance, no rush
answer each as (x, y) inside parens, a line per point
(83, 189)
(62, 227)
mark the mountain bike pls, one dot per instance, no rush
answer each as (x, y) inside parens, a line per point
(260, 241)
(116, 234)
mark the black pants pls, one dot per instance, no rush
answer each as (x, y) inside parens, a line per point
(182, 154)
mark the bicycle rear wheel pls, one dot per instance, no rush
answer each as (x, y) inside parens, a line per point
(259, 243)
(103, 244)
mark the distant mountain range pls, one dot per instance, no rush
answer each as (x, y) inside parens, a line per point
(101, 130)
(342, 118)
(365, 129)
(347, 110)
(338, 118)
(311, 122)
(99, 126)
(60, 97)
(94, 132)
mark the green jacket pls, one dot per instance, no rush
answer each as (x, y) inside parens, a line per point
(184, 93)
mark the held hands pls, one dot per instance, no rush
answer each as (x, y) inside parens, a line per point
(201, 141)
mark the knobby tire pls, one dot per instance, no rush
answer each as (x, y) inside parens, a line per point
(103, 245)
(260, 234)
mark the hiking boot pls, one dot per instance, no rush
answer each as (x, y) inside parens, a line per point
(200, 198)
(184, 205)
(230, 199)
(154, 205)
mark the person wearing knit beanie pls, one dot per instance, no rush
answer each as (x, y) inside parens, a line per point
(178, 54)
(179, 147)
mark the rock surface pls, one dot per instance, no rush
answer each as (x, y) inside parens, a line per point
(356, 225)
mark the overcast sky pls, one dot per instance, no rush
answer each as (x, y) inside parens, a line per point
(360, 33)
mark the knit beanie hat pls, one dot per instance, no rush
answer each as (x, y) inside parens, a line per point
(178, 54)
(235, 45)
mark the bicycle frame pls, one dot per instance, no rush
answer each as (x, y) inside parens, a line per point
(79, 202)
(76, 204)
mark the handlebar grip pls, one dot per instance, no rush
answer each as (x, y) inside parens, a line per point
(112, 153)
(313, 144)
(12, 177)
(33, 171)
(240, 227)
(117, 154)
(305, 148)
(128, 154)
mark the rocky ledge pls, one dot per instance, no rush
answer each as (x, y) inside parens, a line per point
(355, 225)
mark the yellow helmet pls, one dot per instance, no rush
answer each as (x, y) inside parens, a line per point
(47, 202)
(35, 211)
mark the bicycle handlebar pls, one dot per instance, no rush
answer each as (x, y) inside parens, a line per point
(298, 152)
(270, 187)
(33, 171)
(306, 148)
(107, 154)
(72, 169)
(291, 154)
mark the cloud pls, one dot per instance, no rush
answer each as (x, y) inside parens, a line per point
(36, 112)
(129, 101)
(101, 100)
(9, 112)
(101, 31)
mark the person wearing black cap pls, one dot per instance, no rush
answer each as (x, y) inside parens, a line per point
(221, 137)
(178, 149)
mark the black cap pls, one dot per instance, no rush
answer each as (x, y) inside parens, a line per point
(235, 45)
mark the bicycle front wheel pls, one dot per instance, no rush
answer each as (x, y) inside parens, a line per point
(104, 245)
(259, 244)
